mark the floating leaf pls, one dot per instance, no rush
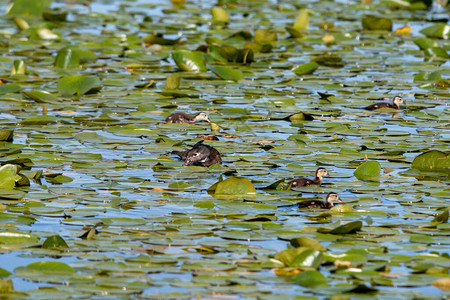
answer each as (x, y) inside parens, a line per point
(172, 82)
(227, 73)
(7, 176)
(287, 256)
(302, 21)
(309, 278)
(350, 227)
(189, 61)
(27, 7)
(158, 39)
(41, 96)
(304, 69)
(369, 170)
(441, 218)
(265, 36)
(67, 59)
(78, 84)
(235, 186)
(46, 267)
(6, 287)
(19, 67)
(43, 120)
(427, 76)
(54, 241)
(308, 242)
(219, 15)
(370, 22)
(433, 160)
(6, 134)
(4, 273)
(9, 88)
(309, 258)
(438, 30)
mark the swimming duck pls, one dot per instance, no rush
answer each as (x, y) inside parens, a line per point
(200, 155)
(331, 197)
(302, 181)
(181, 117)
(395, 104)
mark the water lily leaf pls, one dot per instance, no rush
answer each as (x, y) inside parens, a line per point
(427, 76)
(441, 218)
(304, 69)
(227, 73)
(235, 186)
(425, 43)
(46, 267)
(433, 160)
(309, 278)
(309, 258)
(19, 67)
(172, 82)
(7, 176)
(265, 36)
(369, 170)
(179, 185)
(42, 120)
(302, 21)
(8, 238)
(54, 241)
(11, 194)
(55, 15)
(41, 96)
(219, 15)
(362, 289)
(189, 61)
(4, 273)
(9, 88)
(438, 30)
(308, 242)
(299, 117)
(6, 134)
(350, 227)
(27, 7)
(342, 208)
(287, 256)
(78, 84)
(371, 22)
(67, 59)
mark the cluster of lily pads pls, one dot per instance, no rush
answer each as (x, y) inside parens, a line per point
(94, 203)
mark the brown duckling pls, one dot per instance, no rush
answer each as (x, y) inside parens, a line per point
(181, 117)
(200, 155)
(395, 104)
(331, 197)
(302, 181)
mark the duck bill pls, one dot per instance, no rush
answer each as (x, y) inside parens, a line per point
(338, 200)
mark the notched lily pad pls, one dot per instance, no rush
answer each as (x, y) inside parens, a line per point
(79, 85)
(369, 170)
(348, 228)
(433, 160)
(55, 242)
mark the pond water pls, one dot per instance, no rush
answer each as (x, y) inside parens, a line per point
(162, 235)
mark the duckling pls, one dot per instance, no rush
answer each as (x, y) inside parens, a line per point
(181, 117)
(395, 104)
(302, 181)
(200, 155)
(331, 197)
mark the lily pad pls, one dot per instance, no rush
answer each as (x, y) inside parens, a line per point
(234, 186)
(190, 61)
(369, 170)
(371, 22)
(433, 160)
(227, 73)
(7, 176)
(78, 84)
(309, 278)
(304, 69)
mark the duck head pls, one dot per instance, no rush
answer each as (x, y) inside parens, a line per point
(398, 100)
(333, 197)
(321, 172)
(202, 117)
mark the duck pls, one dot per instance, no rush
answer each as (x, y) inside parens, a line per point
(200, 155)
(302, 181)
(181, 117)
(331, 198)
(396, 101)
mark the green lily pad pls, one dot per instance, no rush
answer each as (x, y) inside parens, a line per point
(219, 15)
(189, 61)
(45, 267)
(234, 186)
(54, 241)
(27, 7)
(78, 84)
(304, 69)
(9, 88)
(227, 73)
(438, 30)
(309, 258)
(308, 242)
(4, 273)
(369, 170)
(309, 278)
(350, 227)
(302, 21)
(7, 176)
(433, 160)
(42, 120)
(6, 134)
(67, 59)
(371, 22)
(41, 96)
